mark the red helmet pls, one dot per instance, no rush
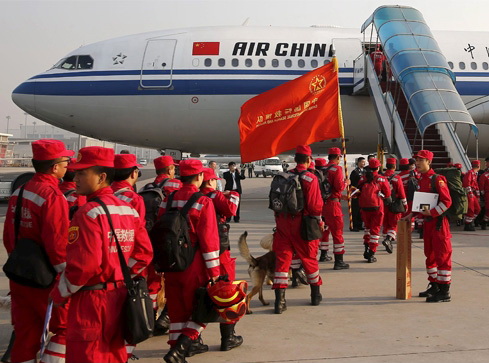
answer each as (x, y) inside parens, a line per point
(229, 298)
(232, 314)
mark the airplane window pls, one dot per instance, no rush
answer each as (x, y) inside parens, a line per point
(208, 62)
(275, 63)
(301, 63)
(326, 61)
(461, 65)
(288, 63)
(261, 62)
(473, 65)
(235, 62)
(221, 62)
(314, 63)
(248, 62)
(450, 64)
(84, 62)
(59, 63)
(485, 66)
(195, 62)
(69, 63)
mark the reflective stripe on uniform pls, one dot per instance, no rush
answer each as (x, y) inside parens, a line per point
(122, 210)
(60, 267)
(33, 197)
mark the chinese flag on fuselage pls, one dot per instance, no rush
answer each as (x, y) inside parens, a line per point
(299, 112)
(205, 48)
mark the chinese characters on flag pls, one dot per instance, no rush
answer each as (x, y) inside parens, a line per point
(299, 112)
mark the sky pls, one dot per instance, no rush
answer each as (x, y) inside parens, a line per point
(36, 34)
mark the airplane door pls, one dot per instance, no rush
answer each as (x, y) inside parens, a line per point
(157, 67)
(347, 50)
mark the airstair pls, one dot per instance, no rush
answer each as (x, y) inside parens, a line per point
(417, 104)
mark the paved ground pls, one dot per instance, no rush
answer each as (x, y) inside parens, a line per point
(359, 320)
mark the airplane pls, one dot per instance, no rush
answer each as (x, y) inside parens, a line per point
(182, 89)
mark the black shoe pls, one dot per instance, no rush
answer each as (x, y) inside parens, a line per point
(371, 257)
(162, 324)
(339, 264)
(179, 351)
(197, 347)
(6, 356)
(236, 220)
(365, 253)
(229, 340)
(443, 294)
(430, 291)
(387, 242)
(324, 256)
(316, 296)
(469, 227)
(299, 276)
(483, 225)
(280, 302)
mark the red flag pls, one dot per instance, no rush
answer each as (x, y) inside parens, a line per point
(299, 112)
(205, 48)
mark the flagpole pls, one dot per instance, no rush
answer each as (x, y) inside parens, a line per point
(343, 144)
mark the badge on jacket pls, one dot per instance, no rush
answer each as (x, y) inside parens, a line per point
(73, 234)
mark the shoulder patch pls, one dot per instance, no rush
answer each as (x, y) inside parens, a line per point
(73, 234)
(441, 182)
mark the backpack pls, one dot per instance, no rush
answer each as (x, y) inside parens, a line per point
(152, 196)
(396, 205)
(412, 186)
(172, 249)
(369, 197)
(458, 193)
(286, 194)
(324, 184)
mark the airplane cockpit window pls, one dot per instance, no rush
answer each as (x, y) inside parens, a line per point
(69, 63)
(207, 62)
(261, 62)
(473, 65)
(275, 63)
(248, 62)
(485, 66)
(301, 63)
(221, 62)
(450, 64)
(84, 62)
(288, 63)
(461, 65)
(58, 64)
(235, 62)
(314, 63)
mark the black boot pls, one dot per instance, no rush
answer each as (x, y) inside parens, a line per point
(339, 264)
(421, 234)
(469, 227)
(229, 340)
(162, 324)
(299, 276)
(197, 347)
(316, 296)
(365, 253)
(483, 225)
(280, 302)
(6, 355)
(324, 256)
(387, 242)
(430, 291)
(178, 353)
(371, 257)
(443, 294)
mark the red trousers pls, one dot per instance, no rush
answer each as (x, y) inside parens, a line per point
(333, 218)
(438, 250)
(373, 222)
(390, 223)
(180, 290)
(28, 310)
(486, 200)
(95, 327)
(287, 240)
(473, 210)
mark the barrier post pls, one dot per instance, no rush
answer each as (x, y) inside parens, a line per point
(403, 266)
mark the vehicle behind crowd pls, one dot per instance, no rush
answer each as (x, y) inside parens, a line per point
(268, 167)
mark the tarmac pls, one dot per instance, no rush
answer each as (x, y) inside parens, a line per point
(359, 320)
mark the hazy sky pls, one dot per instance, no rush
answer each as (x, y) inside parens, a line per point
(36, 34)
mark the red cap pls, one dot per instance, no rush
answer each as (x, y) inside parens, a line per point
(210, 174)
(404, 161)
(72, 162)
(391, 161)
(125, 161)
(312, 165)
(476, 163)
(321, 162)
(303, 149)
(424, 154)
(373, 163)
(47, 149)
(458, 165)
(93, 156)
(163, 162)
(334, 151)
(191, 167)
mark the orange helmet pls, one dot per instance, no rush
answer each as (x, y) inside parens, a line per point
(229, 298)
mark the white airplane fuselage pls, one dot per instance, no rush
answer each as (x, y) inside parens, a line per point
(152, 90)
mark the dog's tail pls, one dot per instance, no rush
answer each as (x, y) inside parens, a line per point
(244, 251)
(5, 302)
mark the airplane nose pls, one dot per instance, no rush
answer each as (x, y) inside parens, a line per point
(24, 96)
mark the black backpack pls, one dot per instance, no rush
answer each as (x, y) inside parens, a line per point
(457, 192)
(412, 186)
(172, 249)
(153, 196)
(286, 194)
(324, 184)
(396, 205)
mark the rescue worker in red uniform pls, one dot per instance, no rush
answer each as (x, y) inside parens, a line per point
(93, 278)
(373, 188)
(390, 219)
(324, 241)
(68, 188)
(437, 243)
(378, 59)
(287, 237)
(226, 204)
(181, 286)
(471, 185)
(165, 173)
(332, 212)
(484, 190)
(44, 219)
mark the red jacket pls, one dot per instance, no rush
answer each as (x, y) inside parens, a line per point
(202, 225)
(336, 179)
(444, 199)
(44, 218)
(74, 199)
(170, 185)
(225, 205)
(125, 192)
(396, 185)
(470, 183)
(484, 183)
(91, 253)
